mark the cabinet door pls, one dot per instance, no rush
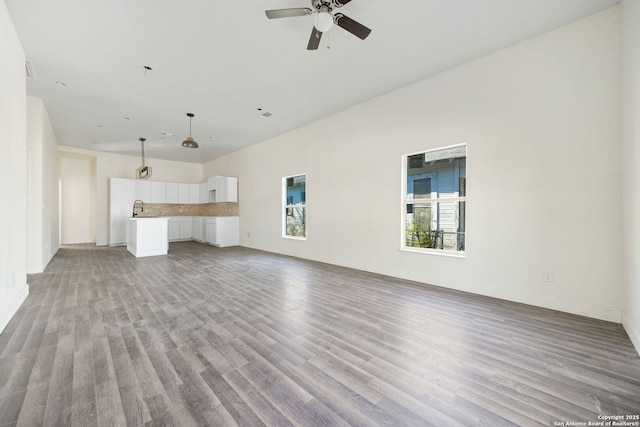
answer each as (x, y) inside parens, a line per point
(183, 193)
(118, 232)
(226, 189)
(194, 194)
(174, 229)
(204, 193)
(119, 214)
(172, 192)
(122, 190)
(228, 231)
(211, 231)
(211, 181)
(197, 228)
(143, 190)
(186, 229)
(158, 192)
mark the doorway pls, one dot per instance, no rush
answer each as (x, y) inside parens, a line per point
(77, 199)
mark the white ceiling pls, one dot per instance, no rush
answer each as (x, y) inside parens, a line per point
(222, 60)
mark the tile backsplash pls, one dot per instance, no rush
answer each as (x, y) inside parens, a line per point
(205, 209)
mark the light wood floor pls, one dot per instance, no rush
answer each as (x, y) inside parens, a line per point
(209, 336)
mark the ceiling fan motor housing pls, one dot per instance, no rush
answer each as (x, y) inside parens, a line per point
(323, 5)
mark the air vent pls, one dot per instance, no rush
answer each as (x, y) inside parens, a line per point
(28, 68)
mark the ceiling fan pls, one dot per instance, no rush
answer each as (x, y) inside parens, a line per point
(324, 20)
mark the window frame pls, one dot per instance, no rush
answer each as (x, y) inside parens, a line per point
(286, 206)
(405, 201)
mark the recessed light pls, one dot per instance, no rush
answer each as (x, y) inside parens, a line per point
(168, 134)
(126, 118)
(266, 115)
(59, 83)
(99, 126)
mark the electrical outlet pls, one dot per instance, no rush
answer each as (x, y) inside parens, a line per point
(548, 277)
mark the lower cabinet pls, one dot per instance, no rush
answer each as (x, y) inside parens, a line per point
(223, 231)
(199, 229)
(218, 231)
(180, 228)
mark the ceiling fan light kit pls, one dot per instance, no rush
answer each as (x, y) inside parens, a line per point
(325, 19)
(190, 142)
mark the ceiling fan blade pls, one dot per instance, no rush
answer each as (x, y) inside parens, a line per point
(314, 40)
(288, 13)
(354, 27)
(340, 3)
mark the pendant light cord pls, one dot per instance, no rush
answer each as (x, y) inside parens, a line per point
(142, 150)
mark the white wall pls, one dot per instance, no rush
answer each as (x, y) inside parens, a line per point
(43, 192)
(13, 171)
(119, 166)
(541, 120)
(630, 36)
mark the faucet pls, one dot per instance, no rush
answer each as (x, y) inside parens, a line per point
(135, 205)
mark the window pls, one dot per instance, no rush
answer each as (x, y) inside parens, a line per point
(295, 206)
(434, 206)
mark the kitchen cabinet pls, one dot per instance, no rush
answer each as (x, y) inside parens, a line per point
(211, 183)
(199, 228)
(186, 228)
(122, 193)
(147, 237)
(171, 192)
(143, 191)
(122, 190)
(223, 231)
(180, 228)
(183, 193)
(226, 189)
(174, 230)
(204, 192)
(158, 192)
(194, 194)
(118, 230)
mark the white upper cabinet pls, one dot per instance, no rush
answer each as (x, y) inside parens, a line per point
(158, 192)
(204, 192)
(226, 189)
(183, 193)
(122, 190)
(143, 191)
(194, 193)
(215, 189)
(172, 192)
(212, 183)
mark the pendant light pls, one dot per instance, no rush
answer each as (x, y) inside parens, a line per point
(144, 171)
(189, 142)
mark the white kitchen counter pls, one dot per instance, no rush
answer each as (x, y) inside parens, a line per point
(148, 236)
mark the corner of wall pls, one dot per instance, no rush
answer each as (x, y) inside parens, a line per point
(630, 155)
(632, 331)
(10, 310)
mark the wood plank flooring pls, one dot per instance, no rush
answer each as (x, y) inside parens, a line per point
(213, 337)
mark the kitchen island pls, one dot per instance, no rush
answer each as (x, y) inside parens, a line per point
(148, 236)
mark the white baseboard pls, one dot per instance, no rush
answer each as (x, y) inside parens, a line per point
(35, 269)
(12, 308)
(632, 330)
